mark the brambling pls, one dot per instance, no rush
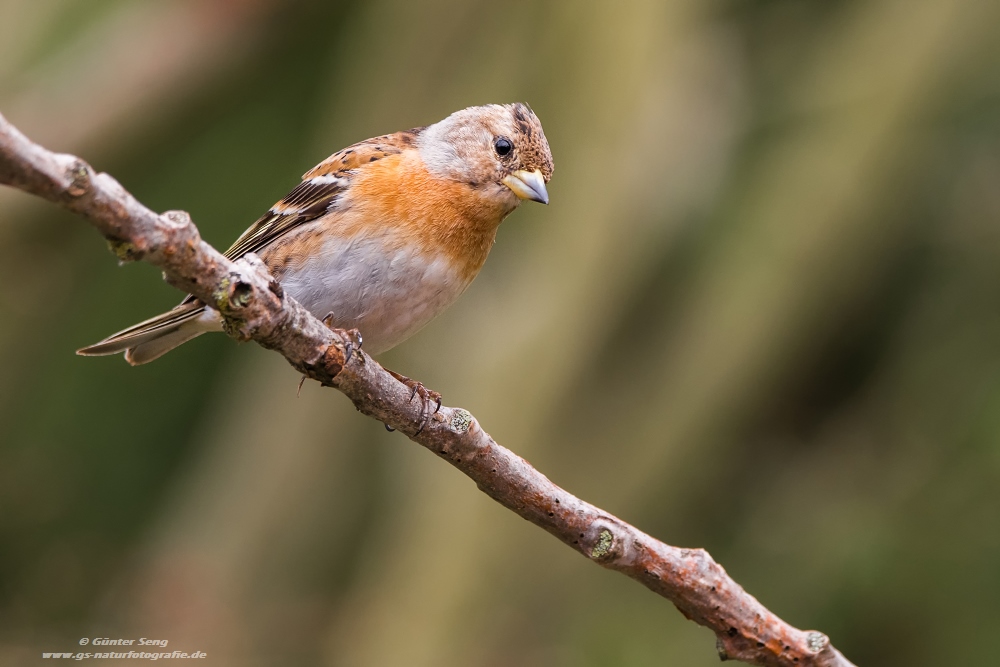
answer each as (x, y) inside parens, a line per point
(383, 235)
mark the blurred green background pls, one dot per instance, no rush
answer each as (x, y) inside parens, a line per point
(760, 316)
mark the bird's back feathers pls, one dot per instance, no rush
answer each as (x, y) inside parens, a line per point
(320, 191)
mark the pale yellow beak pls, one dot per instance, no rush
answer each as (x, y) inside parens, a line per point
(528, 185)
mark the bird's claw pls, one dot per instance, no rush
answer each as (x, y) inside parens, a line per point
(354, 340)
(427, 396)
(353, 344)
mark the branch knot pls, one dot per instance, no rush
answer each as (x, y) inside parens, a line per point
(817, 641)
(240, 293)
(461, 421)
(604, 543)
(79, 178)
(177, 219)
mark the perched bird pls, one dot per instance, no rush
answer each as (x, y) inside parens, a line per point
(383, 235)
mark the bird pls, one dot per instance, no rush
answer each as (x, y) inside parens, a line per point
(383, 235)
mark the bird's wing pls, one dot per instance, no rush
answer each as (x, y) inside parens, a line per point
(319, 190)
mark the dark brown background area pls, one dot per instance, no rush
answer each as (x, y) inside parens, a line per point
(760, 316)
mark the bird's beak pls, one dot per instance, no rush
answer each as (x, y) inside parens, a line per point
(528, 185)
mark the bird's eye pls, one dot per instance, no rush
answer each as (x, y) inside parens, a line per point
(503, 146)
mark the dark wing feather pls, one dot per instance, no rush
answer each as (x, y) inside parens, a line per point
(319, 190)
(306, 202)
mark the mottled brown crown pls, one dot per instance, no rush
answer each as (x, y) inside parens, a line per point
(533, 147)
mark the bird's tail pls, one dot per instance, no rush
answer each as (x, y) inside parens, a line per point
(155, 337)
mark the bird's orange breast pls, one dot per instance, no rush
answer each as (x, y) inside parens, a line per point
(398, 198)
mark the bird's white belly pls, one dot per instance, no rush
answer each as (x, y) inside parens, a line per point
(386, 295)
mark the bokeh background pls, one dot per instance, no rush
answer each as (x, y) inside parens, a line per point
(760, 316)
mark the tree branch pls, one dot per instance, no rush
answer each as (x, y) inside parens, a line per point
(255, 308)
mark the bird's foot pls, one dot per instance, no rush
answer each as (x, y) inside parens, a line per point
(427, 397)
(352, 345)
(354, 340)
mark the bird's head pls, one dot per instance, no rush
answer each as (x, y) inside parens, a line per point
(498, 149)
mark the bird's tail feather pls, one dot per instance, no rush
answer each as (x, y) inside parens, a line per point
(153, 338)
